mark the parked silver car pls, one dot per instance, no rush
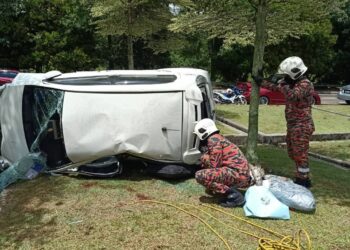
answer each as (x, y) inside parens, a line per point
(344, 94)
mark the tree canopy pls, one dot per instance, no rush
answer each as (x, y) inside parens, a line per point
(215, 35)
(48, 34)
(232, 39)
(258, 22)
(135, 19)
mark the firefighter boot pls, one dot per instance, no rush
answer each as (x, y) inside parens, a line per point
(233, 199)
(305, 182)
(302, 176)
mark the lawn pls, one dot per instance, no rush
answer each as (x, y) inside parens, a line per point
(341, 109)
(272, 117)
(225, 129)
(334, 149)
(61, 212)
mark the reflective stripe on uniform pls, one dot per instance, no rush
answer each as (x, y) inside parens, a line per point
(303, 170)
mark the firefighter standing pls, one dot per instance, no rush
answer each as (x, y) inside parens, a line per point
(292, 82)
(225, 168)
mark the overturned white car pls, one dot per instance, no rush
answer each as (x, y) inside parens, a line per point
(77, 118)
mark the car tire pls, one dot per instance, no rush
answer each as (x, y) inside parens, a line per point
(103, 167)
(263, 100)
(347, 102)
(313, 102)
(171, 171)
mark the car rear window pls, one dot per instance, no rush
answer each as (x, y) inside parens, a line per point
(116, 80)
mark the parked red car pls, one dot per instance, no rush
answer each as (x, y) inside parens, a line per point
(7, 75)
(270, 97)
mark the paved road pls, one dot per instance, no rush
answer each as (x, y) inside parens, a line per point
(330, 98)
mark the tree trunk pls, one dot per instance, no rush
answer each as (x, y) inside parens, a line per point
(211, 50)
(258, 60)
(130, 53)
(130, 38)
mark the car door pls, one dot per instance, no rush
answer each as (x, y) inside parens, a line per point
(277, 97)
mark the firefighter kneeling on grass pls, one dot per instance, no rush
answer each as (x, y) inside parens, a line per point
(225, 168)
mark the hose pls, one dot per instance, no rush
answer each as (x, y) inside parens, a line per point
(196, 216)
(284, 243)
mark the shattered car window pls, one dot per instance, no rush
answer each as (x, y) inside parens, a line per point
(46, 105)
(40, 108)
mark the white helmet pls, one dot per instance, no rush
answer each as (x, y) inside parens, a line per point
(292, 66)
(229, 91)
(204, 128)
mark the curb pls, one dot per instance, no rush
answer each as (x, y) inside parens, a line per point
(241, 138)
(332, 112)
(237, 139)
(278, 139)
(342, 163)
(338, 162)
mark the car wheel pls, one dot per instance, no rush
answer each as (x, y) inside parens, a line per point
(103, 167)
(313, 101)
(243, 101)
(263, 100)
(347, 102)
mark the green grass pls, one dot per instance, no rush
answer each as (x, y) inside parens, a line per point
(64, 212)
(272, 120)
(342, 109)
(334, 149)
(226, 130)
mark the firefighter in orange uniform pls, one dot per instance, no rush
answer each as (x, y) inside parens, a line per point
(293, 83)
(225, 168)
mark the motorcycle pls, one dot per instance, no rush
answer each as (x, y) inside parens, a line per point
(239, 99)
(236, 95)
(221, 98)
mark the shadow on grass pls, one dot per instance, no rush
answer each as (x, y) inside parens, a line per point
(27, 208)
(209, 199)
(304, 212)
(135, 170)
(23, 213)
(334, 190)
(330, 184)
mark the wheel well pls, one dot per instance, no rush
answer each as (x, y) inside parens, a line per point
(264, 97)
